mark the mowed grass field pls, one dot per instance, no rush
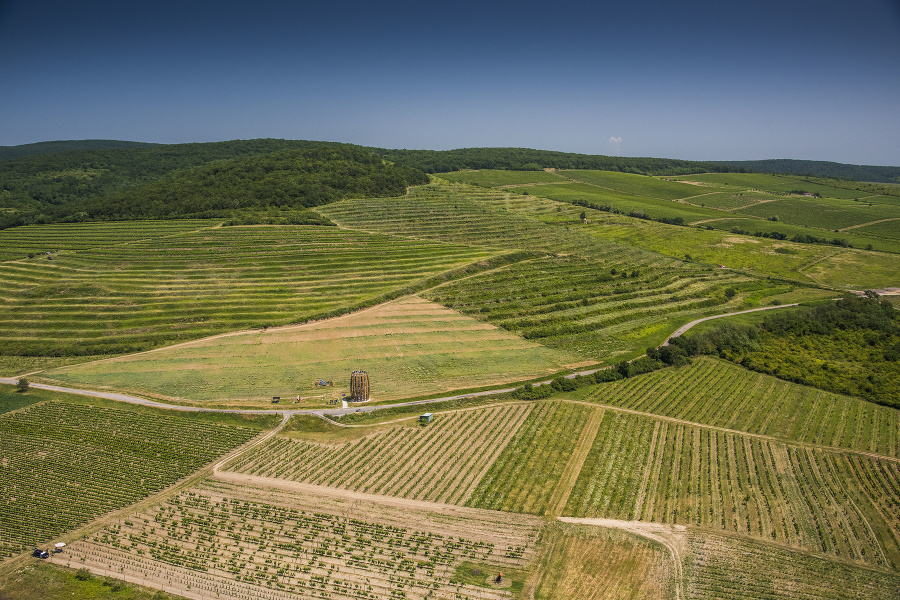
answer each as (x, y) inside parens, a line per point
(409, 347)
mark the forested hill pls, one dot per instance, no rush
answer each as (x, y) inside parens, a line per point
(818, 168)
(107, 179)
(93, 185)
(23, 150)
(526, 159)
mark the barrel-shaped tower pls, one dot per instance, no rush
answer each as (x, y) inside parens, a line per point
(359, 386)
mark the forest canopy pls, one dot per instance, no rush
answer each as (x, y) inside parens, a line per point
(141, 188)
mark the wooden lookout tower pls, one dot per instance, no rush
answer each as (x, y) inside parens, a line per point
(359, 386)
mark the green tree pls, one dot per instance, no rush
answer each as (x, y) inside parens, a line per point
(22, 385)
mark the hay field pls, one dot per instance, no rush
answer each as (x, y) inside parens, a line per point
(409, 347)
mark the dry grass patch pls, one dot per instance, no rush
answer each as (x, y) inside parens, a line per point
(582, 562)
(408, 346)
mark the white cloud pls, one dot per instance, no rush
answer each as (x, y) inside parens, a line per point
(615, 144)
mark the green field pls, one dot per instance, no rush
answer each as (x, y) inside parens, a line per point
(524, 476)
(638, 185)
(779, 184)
(440, 462)
(751, 203)
(720, 567)
(409, 347)
(658, 471)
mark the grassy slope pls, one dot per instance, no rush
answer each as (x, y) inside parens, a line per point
(45, 580)
(649, 296)
(409, 346)
(138, 294)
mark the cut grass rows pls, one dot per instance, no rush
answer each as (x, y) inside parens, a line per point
(181, 287)
(718, 567)
(722, 394)
(476, 217)
(18, 242)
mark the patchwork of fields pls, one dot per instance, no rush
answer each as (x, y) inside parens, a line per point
(703, 481)
(586, 296)
(638, 467)
(722, 201)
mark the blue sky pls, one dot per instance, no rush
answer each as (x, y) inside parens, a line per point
(697, 79)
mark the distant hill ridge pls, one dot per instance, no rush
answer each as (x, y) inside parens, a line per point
(820, 168)
(12, 152)
(437, 161)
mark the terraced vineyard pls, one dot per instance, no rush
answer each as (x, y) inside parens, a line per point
(18, 242)
(588, 296)
(65, 464)
(440, 462)
(230, 542)
(722, 394)
(478, 217)
(645, 469)
(583, 305)
(133, 296)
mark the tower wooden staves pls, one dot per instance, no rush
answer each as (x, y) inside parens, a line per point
(359, 386)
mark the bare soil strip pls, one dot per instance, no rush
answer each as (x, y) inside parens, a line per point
(573, 467)
(385, 506)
